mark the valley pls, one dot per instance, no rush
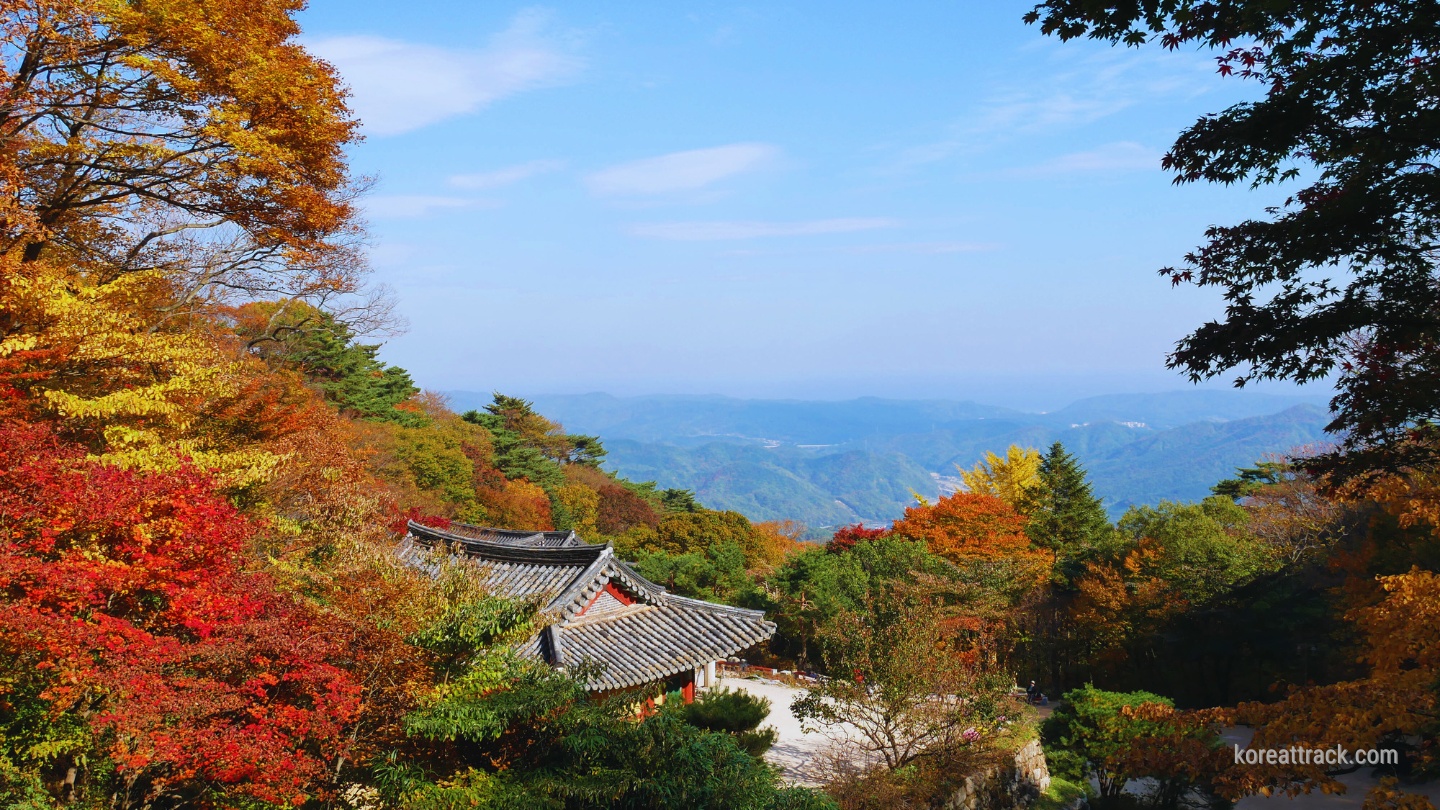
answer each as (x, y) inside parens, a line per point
(828, 464)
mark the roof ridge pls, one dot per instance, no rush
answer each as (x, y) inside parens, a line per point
(657, 591)
(574, 555)
(522, 533)
(715, 607)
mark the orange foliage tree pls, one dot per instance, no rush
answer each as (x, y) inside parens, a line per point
(130, 129)
(971, 528)
(517, 504)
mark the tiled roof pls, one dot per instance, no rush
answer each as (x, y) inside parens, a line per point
(661, 634)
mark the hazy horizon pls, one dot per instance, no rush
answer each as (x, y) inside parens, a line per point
(1005, 394)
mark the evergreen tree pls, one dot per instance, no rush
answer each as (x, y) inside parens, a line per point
(679, 500)
(1065, 516)
(529, 446)
(350, 374)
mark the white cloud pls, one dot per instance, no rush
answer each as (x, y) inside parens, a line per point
(416, 206)
(399, 86)
(1112, 157)
(505, 176)
(681, 171)
(714, 231)
(1085, 87)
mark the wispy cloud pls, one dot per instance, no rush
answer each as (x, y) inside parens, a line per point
(1112, 157)
(416, 206)
(916, 248)
(682, 171)
(400, 86)
(1076, 90)
(924, 248)
(506, 176)
(716, 231)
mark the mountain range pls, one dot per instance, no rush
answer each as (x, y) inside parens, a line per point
(828, 464)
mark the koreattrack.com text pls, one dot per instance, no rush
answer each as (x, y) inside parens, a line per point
(1337, 755)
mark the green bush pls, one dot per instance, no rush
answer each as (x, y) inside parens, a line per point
(737, 713)
(1091, 725)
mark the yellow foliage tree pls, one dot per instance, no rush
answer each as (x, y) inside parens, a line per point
(132, 391)
(1007, 478)
(583, 504)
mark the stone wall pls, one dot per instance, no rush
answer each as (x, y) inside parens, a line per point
(1015, 784)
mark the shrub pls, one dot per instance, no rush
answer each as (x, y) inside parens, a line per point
(738, 713)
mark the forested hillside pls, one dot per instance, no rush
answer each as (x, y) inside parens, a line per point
(829, 464)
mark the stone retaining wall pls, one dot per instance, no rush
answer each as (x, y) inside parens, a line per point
(1002, 787)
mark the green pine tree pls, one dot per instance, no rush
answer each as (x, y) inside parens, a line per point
(350, 374)
(1065, 515)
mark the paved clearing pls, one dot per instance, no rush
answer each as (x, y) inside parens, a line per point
(798, 754)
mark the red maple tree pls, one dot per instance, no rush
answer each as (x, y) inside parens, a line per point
(129, 606)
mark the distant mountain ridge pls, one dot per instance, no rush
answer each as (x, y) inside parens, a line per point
(832, 463)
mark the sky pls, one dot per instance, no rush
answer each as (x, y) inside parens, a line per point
(806, 200)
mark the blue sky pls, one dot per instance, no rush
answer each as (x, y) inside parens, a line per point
(814, 200)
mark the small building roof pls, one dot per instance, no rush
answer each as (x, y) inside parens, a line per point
(649, 636)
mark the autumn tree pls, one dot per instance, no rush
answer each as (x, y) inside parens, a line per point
(899, 680)
(1289, 510)
(89, 359)
(1010, 478)
(1395, 699)
(583, 505)
(846, 537)
(1339, 278)
(970, 528)
(621, 510)
(194, 139)
(777, 539)
(142, 664)
(156, 161)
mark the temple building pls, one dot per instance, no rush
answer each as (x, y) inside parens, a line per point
(600, 611)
